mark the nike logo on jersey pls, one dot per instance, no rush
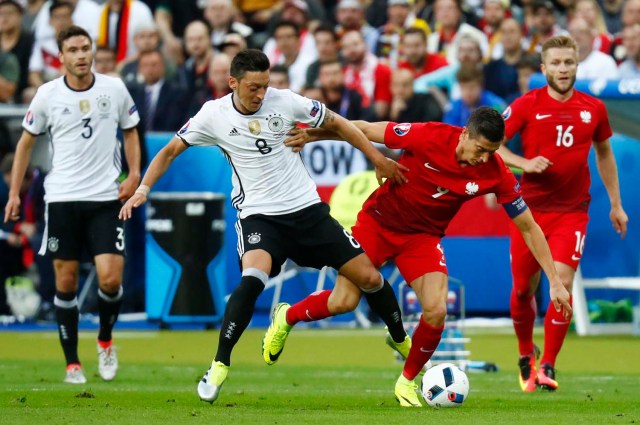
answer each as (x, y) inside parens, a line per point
(426, 164)
(308, 315)
(557, 322)
(425, 351)
(574, 257)
(541, 117)
(234, 132)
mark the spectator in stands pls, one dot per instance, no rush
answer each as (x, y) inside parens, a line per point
(472, 96)
(232, 44)
(9, 76)
(495, 12)
(337, 97)
(219, 71)
(44, 64)
(104, 62)
(416, 58)
(119, 20)
(630, 68)
(85, 13)
(528, 65)
(328, 47)
(279, 77)
(501, 75)
(172, 17)
(400, 18)
(350, 17)
(469, 53)
(31, 10)
(630, 15)
(221, 16)
(590, 11)
(288, 53)
(161, 102)
(194, 74)
(257, 14)
(612, 14)
(592, 63)
(366, 74)
(407, 106)
(449, 29)
(146, 39)
(17, 41)
(544, 25)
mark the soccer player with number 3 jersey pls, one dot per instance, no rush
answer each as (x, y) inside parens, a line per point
(558, 125)
(82, 112)
(448, 166)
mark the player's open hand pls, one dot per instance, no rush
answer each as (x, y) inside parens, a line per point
(135, 201)
(560, 298)
(390, 169)
(127, 188)
(536, 165)
(619, 220)
(298, 137)
(12, 210)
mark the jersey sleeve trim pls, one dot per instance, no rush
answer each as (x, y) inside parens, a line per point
(129, 128)
(184, 141)
(320, 120)
(32, 133)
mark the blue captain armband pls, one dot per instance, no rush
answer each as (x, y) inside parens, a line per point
(515, 207)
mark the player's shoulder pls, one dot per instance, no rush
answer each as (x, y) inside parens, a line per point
(586, 99)
(107, 80)
(279, 95)
(50, 87)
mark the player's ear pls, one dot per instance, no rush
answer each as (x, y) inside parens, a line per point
(233, 83)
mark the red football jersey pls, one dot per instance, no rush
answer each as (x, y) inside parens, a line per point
(563, 133)
(437, 185)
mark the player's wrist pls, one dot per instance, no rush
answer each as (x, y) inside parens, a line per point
(143, 189)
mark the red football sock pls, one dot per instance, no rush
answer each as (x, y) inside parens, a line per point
(555, 330)
(424, 341)
(523, 314)
(312, 308)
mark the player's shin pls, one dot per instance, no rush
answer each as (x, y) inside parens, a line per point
(108, 309)
(314, 307)
(384, 303)
(425, 339)
(555, 331)
(66, 306)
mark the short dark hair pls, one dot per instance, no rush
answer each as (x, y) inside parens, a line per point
(72, 31)
(328, 29)
(416, 30)
(289, 24)
(470, 74)
(13, 3)
(249, 60)
(280, 69)
(58, 4)
(488, 123)
(328, 62)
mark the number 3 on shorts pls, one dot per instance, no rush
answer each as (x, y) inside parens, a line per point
(353, 240)
(120, 239)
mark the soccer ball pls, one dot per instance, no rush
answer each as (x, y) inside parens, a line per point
(444, 385)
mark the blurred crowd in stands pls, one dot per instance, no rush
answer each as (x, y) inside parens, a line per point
(397, 60)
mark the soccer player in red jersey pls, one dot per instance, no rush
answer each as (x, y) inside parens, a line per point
(558, 125)
(447, 166)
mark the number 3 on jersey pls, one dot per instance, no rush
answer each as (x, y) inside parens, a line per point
(565, 137)
(88, 130)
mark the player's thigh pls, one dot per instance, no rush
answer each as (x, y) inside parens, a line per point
(64, 231)
(419, 255)
(431, 290)
(525, 269)
(377, 242)
(567, 235)
(261, 244)
(105, 231)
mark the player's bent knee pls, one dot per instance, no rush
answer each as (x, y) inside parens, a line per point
(435, 316)
(110, 282)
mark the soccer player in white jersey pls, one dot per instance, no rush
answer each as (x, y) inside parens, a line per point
(280, 214)
(81, 112)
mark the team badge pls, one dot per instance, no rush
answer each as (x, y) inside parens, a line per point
(507, 113)
(85, 106)
(184, 128)
(275, 124)
(516, 188)
(133, 109)
(254, 127)
(254, 238)
(402, 129)
(315, 109)
(53, 244)
(29, 118)
(104, 104)
(585, 116)
(471, 188)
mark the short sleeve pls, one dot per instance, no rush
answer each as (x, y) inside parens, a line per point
(514, 117)
(35, 120)
(196, 132)
(306, 111)
(603, 130)
(128, 113)
(405, 135)
(508, 188)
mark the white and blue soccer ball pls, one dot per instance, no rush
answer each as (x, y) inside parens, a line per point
(445, 385)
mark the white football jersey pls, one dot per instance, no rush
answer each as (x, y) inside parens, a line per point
(268, 177)
(82, 126)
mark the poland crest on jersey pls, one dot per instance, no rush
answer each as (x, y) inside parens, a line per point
(585, 116)
(471, 188)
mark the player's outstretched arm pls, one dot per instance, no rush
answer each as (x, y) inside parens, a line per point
(20, 164)
(385, 167)
(533, 165)
(298, 137)
(157, 168)
(535, 240)
(132, 154)
(608, 170)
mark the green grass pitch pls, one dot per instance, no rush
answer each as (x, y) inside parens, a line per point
(323, 377)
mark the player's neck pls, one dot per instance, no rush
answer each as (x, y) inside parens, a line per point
(560, 97)
(79, 83)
